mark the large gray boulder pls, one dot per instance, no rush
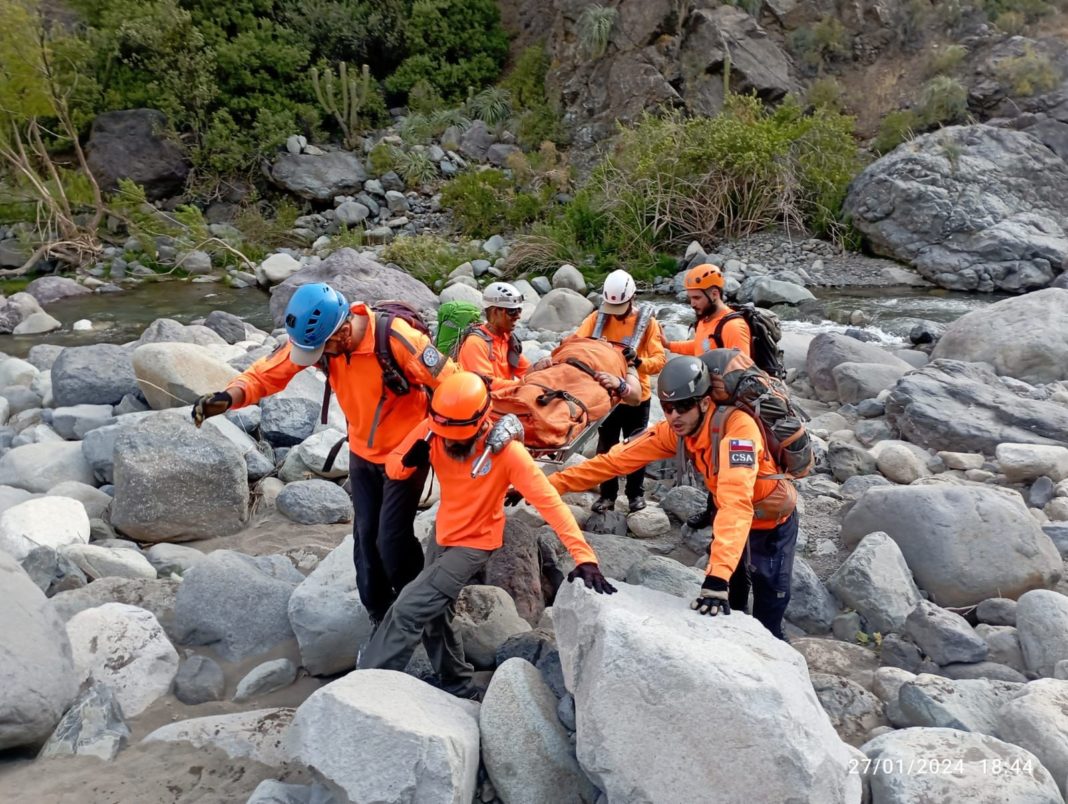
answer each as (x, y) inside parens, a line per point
(857, 381)
(133, 144)
(528, 755)
(1036, 352)
(40, 467)
(853, 710)
(167, 330)
(944, 635)
(970, 704)
(319, 177)
(830, 349)
(327, 616)
(39, 679)
(358, 278)
(258, 735)
(971, 207)
(486, 618)
(970, 760)
(345, 729)
(1037, 721)
(125, 648)
(174, 482)
(1042, 626)
(963, 544)
(607, 647)
(315, 502)
(667, 575)
(49, 289)
(175, 374)
(99, 374)
(877, 583)
(236, 603)
(965, 407)
(155, 596)
(560, 310)
(811, 608)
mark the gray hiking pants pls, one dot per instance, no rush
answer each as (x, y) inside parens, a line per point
(424, 610)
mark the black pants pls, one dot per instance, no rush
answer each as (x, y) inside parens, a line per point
(770, 561)
(623, 422)
(387, 554)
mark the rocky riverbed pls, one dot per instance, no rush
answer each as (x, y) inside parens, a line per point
(185, 616)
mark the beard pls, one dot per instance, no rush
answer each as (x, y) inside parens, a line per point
(460, 450)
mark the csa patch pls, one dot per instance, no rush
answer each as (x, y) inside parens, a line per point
(432, 359)
(741, 452)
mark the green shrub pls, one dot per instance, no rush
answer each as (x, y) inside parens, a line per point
(827, 93)
(946, 60)
(383, 158)
(671, 180)
(1028, 74)
(428, 257)
(1030, 10)
(479, 201)
(536, 120)
(415, 128)
(1011, 22)
(826, 41)
(448, 118)
(750, 7)
(423, 98)
(595, 25)
(492, 106)
(895, 128)
(942, 100)
(453, 45)
(417, 168)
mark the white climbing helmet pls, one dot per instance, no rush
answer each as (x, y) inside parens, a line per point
(501, 294)
(619, 289)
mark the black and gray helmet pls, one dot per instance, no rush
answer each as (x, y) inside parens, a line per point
(683, 378)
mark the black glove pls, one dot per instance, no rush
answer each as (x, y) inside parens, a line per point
(631, 357)
(418, 455)
(591, 575)
(712, 599)
(513, 497)
(211, 405)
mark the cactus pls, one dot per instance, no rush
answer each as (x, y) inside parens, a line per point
(345, 97)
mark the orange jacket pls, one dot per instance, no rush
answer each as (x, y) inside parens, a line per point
(650, 350)
(486, 353)
(735, 487)
(735, 335)
(472, 509)
(378, 419)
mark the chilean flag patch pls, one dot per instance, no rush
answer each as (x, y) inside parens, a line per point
(740, 445)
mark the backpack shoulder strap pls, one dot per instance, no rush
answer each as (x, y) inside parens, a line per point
(645, 314)
(598, 327)
(717, 335)
(515, 351)
(324, 365)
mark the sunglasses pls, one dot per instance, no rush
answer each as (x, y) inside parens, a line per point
(682, 406)
(511, 313)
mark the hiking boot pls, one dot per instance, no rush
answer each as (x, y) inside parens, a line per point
(701, 520)
(603, 504)
(636, 504)
(467, 690)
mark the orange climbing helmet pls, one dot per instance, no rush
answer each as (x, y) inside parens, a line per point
(460, 406)
(704, 276)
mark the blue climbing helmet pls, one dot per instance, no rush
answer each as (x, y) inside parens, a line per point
(314, 313)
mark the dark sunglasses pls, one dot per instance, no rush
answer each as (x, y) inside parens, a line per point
(682, 406)
(512, 313)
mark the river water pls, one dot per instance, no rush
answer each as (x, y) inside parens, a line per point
(121, 317)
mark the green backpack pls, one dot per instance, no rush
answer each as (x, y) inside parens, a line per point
(453, 318)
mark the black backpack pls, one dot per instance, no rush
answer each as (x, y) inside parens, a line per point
(765, 331)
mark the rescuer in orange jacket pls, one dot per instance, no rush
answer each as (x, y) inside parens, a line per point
(754, 502)
(492, 350)
(637, 332)
(475, 465)
(325, 330)
(704, 290)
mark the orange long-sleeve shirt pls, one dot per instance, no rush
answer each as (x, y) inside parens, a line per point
(735, 487)
(650, 350)
(378, 419)
(487, 354)
(471, 513)
(735, 335)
